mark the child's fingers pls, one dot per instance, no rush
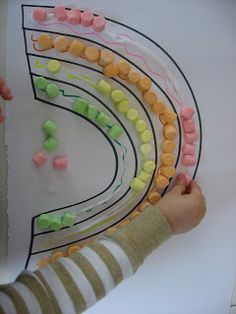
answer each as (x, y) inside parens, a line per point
(180, 186)
(5, 91)
(195, 189)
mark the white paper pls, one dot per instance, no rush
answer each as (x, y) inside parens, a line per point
(192, 273)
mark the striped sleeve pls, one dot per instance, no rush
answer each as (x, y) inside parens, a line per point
(75, 283)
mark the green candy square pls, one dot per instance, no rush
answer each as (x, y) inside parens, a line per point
(91, 112)
(103, 120)
(115, 132)
(49, 127)
(80, 105)
(50, 144)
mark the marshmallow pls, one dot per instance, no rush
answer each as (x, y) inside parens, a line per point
(106, 57)
(144, 84)
(189, 126)
(92, 54)
(103, 87)
(61, 43)
(39, 14)
(87, 18)
(60, 163)
(99, 23)
(134, 77)
(169, 116)
(117, 95)
(188, 160)
(74, 16)
(146, 136)
(115, 132)
(190, 138)
(168, 146)
(167, 159)
(154, 197)
(132, 114)
(187, 113)
(159, 107)
(61, 13)
(45, 41)
(40, 159)
(150, 97)
(170, 132)
(137, 185)
(149, 166)
(188, 149)
(110, 70)
(161, 181)
(77, 48)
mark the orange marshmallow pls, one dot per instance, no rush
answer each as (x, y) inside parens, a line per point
(43, 262)
(159, 107)
(123, 68)
(73, 249)
(125, 223)
(134, 77)
(168, 172)
(134, 214)
(110, 70)
(168, 146)
(106, 57)
(144, 84)
(76, 48)
(45, 41)
(150, 97)
(111, 230)
(61, 43)
(143, 206)
(169, 116)
(170, 132)
(56, 256)
(154, 197)
(92, 54)
(161, 181)
(168, 159)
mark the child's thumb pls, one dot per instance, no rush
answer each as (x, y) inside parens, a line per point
(180, 185)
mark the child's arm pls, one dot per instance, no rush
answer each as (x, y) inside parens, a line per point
(73, 284)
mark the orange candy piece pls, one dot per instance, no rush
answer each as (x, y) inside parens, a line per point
(56, 256)
(167, 159)
(77, 48)
(144, 205)
(134, 77)
(154, 197)
(144, 84)
(125, 223)
(123, 68)
(106, 57)
(73, 249)
(159, 107)
(161, 181)
(92, 54)
(169, 116)
(134, 214)
(110, 70)
(167, 171)
(150, 97)
(170, 132)
(61, 43)
(111, 230)
(168, 146)
(45, 41)
(43, 262)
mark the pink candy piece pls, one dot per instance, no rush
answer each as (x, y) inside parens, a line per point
(39, 14)
(99, 23)
(188, 149)
(61, 13)
(40, 159)
(60, 163)
(187, 113)
(189, 126)
(190, 138)
(188, 179)
(74, 16)
(188, 160)
(87, 18)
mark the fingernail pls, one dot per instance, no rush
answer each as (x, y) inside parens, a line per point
(180, 177)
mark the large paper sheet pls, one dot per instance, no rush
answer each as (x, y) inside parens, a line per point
(190, 273)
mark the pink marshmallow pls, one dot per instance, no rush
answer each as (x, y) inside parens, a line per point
(188, 149)
(74, 16)
(188, 179)
(60, 163)
(189, 126)
(99, 23)
(40, 159)
(187, 113)
(188, 160)
(61, 13)
(87, 18)
(39, 14)
(190, 138)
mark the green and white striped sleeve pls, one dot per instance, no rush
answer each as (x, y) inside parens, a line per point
(75, 283)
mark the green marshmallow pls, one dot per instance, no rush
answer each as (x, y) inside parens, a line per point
(103, 87)
(44, 221)
(49, 127)
(91, 112)
(56, 224)
(54, 66)
(115, 132)
(103, 120)
(80, 105)
(40, 82)
(50, 144)
(69, 219)
(52, 90)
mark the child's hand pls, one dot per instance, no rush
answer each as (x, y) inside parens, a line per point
(182, 210)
